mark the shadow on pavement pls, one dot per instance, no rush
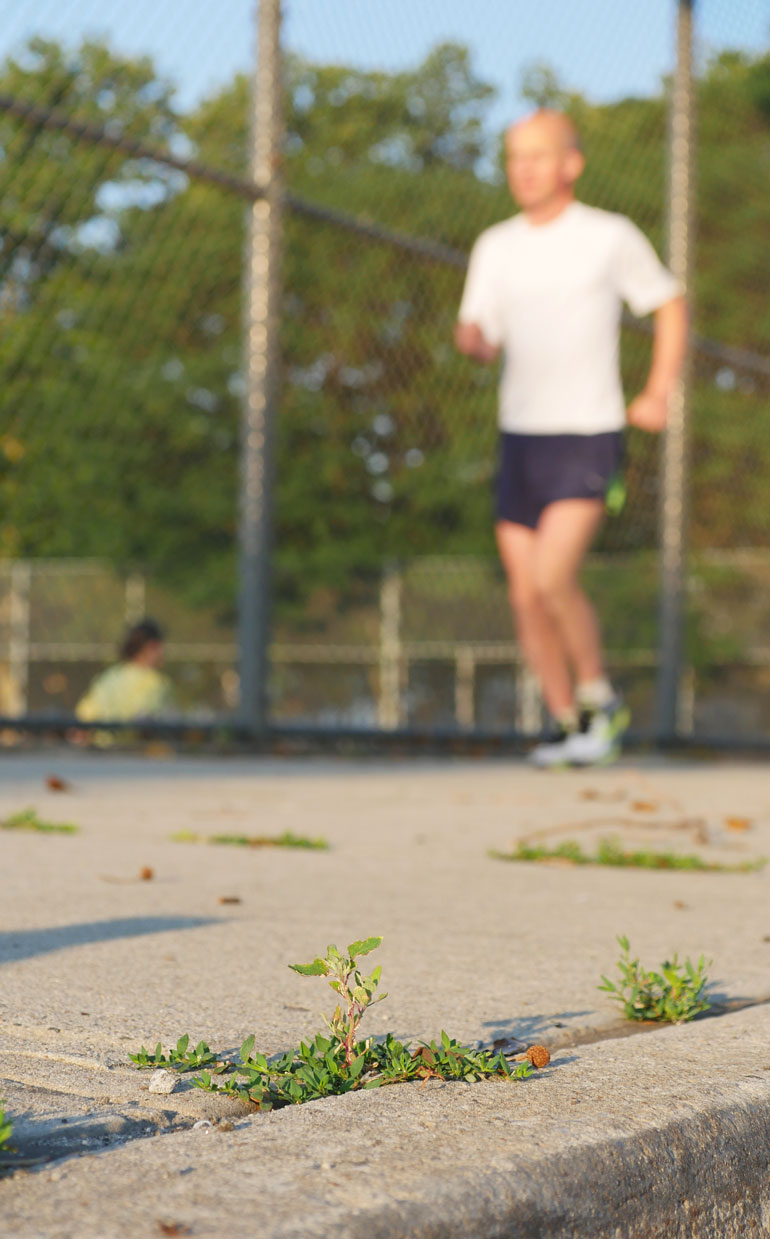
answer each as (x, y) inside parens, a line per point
(26, 943)
(527, 1028)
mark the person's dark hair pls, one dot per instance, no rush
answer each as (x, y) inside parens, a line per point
(142, 634)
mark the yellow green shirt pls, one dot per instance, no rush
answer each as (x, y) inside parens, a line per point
(125, 691)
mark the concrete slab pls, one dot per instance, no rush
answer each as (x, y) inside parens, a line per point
(93, 961)
(665, 1135)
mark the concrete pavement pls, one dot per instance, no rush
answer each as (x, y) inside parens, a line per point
(613, 1138)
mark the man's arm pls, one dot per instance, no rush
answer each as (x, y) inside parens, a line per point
(469, 339)
(649, 411)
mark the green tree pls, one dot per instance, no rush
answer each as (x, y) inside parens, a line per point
(120, 361)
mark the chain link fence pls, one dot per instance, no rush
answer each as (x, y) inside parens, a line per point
(128, 173)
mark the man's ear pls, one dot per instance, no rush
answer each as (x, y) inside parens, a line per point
(574, 165)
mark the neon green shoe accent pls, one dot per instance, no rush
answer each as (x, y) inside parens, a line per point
(620, 722)
(615, 498)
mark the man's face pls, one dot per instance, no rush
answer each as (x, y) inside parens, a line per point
(541, 165)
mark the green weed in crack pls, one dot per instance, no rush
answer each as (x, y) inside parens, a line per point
(610, 853)
(27, 819)
(6, 1126)
(674, 995)
(179, 1056)
(285, 840)
(355, 990)
(339, 1061)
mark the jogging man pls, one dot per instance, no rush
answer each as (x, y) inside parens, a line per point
(546, 287)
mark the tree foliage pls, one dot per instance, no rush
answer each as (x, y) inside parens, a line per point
(120, 286)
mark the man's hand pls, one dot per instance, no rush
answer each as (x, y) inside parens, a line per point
(469, 339)
(649, 411)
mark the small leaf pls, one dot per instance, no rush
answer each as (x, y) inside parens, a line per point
(363, 947)
(357, 1066)
(316, 969)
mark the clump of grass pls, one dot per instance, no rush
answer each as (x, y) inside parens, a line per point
(319, 1068)
(339, 1061)
(28, 819)
(609, 852)
(286, 840)
(6, 1126)
(674, 995)
(181, 1057)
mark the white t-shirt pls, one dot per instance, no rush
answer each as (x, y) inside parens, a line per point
(551, 296)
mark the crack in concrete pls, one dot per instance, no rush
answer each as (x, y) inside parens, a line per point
(49, 1143)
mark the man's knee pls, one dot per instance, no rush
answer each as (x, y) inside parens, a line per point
(525, 599)
(554, 591)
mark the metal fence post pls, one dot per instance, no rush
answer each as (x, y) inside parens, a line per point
(465, 686)
(389, 705)
(673, 477)
(262, 292)
(19, 632)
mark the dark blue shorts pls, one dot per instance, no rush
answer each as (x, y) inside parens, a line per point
(537, 470)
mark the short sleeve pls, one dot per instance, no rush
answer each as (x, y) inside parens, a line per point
(641, 279)
(480, 301)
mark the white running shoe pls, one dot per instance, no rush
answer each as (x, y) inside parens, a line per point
(598, 740)
(553, 752)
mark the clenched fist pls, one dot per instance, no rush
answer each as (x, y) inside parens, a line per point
(469, 339)
(648, 412)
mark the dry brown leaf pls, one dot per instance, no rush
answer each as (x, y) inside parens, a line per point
(144, 875)
(55, 783)
(644, 806)
(173, 1228)
(229, 899)
(738, 823)
(609, 797)
(679, 903)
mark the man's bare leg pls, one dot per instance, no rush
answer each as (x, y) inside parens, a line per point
(563, 536)
(538, 632)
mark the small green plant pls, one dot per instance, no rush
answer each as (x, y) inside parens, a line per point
(6, 1126)
(674, 995)
(286, 840)
(338, 1062)
(28, 819)
(609, 852)
(355, 990)
(318, 1068)
(180, 1056)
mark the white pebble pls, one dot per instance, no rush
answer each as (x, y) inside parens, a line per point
(162, 1081)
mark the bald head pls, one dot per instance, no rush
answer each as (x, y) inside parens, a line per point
(548, 125)
(544, 161)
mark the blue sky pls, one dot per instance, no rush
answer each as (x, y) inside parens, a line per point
(606, 48)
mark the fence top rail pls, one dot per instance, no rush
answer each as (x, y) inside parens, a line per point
(410, 651)
(49, 118)
(421, 564)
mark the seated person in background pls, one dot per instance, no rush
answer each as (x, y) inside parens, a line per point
(134, 688)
